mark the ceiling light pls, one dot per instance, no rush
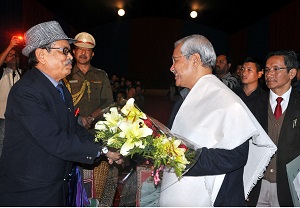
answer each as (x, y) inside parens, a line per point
(121, 12)
(193, 14)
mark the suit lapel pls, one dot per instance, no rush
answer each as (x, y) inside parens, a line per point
(292, 114)
(61, 109)
(263, 115)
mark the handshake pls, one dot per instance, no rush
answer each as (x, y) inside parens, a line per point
(112, 156)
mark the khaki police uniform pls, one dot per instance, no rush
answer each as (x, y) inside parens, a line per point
(93, 89)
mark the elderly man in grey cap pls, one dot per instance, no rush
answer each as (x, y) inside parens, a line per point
(43, 138)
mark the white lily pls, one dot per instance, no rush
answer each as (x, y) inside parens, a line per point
(133, 131)
(113, 117)
(127, 146)
(131, 111)
(100, 125)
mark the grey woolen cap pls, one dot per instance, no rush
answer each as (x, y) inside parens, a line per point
(43, 34)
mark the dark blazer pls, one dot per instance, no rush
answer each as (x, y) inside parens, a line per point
(288, 147)
(253, 100)
(220, 161)
(174, 111)
(41, 142)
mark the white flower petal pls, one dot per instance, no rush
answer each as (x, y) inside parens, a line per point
(139, 144)
(127, 146)
(100, 125)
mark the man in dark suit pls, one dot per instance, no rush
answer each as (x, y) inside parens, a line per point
(273, 189)
(42, 137)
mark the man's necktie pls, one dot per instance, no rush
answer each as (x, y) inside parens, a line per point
(59, 87)
(278, 110)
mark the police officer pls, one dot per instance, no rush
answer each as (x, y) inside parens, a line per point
(91, 92)
(90, 87)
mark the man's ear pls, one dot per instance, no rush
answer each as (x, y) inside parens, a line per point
(40, 55)
(196, 58)
(229, 65)
(260, 73)
(293, 73)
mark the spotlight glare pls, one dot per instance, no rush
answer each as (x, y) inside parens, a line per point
(121, 12)
(193, 14)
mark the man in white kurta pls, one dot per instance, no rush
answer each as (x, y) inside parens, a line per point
(213, 118)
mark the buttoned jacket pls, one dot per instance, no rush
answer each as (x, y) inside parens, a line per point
(42, 141)
(288, 146)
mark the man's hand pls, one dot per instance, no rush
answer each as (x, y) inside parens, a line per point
(15, 41)
(114, 157)
(86, 121)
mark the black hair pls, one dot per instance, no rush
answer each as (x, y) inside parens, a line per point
(258, 62)
(289, 56)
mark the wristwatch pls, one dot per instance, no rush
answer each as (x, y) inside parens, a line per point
(104, 150)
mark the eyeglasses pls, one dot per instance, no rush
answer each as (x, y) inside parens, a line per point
(275, 69)
(176, 58)
(12, 54)
(65, 50)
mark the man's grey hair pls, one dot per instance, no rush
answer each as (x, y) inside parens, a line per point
(198, 44)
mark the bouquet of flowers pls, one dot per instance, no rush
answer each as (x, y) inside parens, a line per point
(131, 131)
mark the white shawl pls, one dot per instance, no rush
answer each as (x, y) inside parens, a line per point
(213, 116)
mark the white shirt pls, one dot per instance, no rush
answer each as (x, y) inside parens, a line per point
(6, 83)
(284, 103)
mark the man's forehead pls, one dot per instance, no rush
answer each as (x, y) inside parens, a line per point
(221, 57)
(177, 49)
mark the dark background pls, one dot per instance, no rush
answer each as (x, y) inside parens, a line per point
(140, 44)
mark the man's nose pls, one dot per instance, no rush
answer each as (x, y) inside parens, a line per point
(172, 68)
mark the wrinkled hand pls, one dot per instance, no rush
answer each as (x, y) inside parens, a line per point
(114, 157)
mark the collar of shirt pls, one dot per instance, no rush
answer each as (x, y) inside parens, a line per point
(76, 70)
(53, 81)
(284, 102)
